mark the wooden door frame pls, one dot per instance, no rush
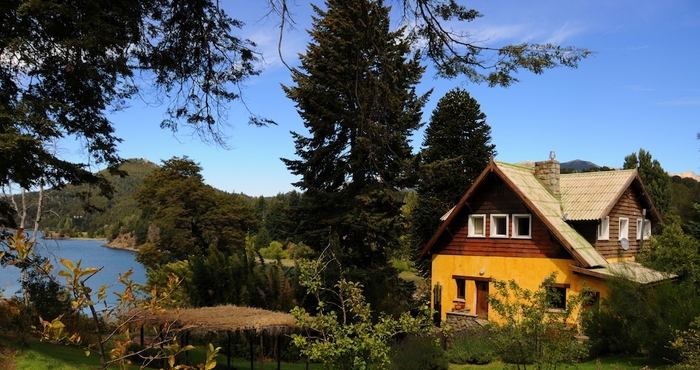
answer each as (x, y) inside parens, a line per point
(481, 299)
(477, 280)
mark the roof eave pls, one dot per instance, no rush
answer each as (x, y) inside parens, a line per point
(456, 209)
(554, 230)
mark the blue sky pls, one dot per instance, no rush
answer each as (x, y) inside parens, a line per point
(640, 89)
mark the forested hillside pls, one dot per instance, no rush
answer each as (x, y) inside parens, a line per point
(80, 209)
(66, 212)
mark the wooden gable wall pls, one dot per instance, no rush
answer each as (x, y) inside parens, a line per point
(494, 197)
(629, 206)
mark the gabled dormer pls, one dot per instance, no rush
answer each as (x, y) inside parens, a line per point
(611, 209)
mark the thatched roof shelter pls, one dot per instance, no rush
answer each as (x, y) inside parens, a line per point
(207, 320)
(221, 319)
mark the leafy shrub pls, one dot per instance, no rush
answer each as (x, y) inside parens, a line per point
(642, 320)
(274, 251)
(687, 342)
(532, 333)
(419, 353)
(9, 313)
(402, 265)
(298, 251)
(472, 347)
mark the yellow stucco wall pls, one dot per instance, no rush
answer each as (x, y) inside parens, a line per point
(529, 273)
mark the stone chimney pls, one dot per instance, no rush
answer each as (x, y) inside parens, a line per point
(548, 172)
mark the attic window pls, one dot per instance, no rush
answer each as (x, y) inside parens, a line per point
(604, 228)
(477, 226)
(522, 227)
(624, 228)
(499, 226)
(647, 228)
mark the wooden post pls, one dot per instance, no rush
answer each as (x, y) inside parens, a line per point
(208, 341)
(277, 350)
(262, 353)
(252, 356)
(228, 348)
(187, 341)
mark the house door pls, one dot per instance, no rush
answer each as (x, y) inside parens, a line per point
(482, 305)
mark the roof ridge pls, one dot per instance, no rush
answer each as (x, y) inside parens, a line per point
(598, 173)
(515, 165)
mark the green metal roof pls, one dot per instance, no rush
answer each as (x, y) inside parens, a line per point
(591, 195)
(549, 209)
(632, 271)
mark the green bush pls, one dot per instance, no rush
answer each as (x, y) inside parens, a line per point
(532, 333)
(298, 251)
(274, 251)
(472, 347)
(642, 320)
(419, 353)
(687, 343)
(402, 265)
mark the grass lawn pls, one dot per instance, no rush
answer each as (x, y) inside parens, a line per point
(42, 355)
(603, 363)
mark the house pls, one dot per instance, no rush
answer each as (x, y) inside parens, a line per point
(523, 224)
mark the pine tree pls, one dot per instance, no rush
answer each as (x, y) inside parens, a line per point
(65, 64)
(457, 147)
(187, 217)
(355, 91)
(655, 179)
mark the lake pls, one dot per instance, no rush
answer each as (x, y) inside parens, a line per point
(92, 252)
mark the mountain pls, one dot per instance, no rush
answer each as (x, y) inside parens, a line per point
(65, 209)
(572, 166)
(686, 174)
(579, 165)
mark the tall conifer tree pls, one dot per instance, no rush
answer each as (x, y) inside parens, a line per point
(355, 91)
(655, 179)
(456, 148)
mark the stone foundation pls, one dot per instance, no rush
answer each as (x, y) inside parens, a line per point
(464, 321)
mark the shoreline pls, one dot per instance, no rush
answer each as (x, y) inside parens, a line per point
(120, 247)
(106, 244)
(64, 238)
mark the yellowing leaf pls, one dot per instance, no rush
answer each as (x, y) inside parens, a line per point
(67, 263)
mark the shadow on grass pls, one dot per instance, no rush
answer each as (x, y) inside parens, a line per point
(603, 363)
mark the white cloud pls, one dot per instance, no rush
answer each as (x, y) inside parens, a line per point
(525, 32)
(564, 32)
(498, 33)
(686, 101)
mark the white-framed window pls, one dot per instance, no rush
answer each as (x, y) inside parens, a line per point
(624, 228)
(647, 228)
(499, 226)
(522, 226)
(477, 226)
(604, 228)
